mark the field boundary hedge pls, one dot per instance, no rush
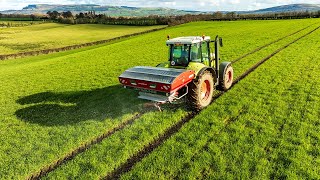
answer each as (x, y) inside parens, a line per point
(72, 47)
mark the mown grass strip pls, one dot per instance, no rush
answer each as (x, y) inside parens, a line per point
(127, 166)
(268, 44)
(45, 170)
(66, 48)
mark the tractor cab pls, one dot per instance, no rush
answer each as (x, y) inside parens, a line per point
(184, 50)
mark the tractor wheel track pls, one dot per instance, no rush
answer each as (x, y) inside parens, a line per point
(128, 165)
(269, 44)
(47, 169)
(168, 133)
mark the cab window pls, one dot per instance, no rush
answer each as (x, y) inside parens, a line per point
(205, 51)
(195, 53)
(180, 55)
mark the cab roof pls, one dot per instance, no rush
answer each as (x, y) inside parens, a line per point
(187, 40)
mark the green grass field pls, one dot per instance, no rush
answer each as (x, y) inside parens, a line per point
(51, 35)
(51, 104)
(266, 127)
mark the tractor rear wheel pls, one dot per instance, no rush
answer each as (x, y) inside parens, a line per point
(201, 91)
(227, 81)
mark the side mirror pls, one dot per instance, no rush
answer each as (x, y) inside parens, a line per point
(221, 42)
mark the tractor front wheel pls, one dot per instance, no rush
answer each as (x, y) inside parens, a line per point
(201, 91)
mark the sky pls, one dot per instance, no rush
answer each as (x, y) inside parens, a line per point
(201, 5)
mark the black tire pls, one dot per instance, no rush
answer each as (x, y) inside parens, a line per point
(227, 80)
(201, 91)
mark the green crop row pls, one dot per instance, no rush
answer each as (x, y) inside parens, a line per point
(51, 104)
(92, 159)
(266, 127)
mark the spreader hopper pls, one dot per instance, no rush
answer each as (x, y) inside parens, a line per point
(156, 83)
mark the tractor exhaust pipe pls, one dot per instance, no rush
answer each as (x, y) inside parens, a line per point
(216, 53)
(217, 43)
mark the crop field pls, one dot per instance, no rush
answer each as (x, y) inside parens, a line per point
(65, 116)
(52, 35)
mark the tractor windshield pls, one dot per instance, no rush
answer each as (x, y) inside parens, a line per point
(179, 55)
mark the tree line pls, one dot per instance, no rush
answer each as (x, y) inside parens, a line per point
(92, 18)
(219, 16)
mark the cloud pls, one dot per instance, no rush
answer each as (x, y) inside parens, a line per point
(170, 3)
(273, 1)
(235, 1)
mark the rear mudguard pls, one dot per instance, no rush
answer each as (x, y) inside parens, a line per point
(222, 69)
(213, 72)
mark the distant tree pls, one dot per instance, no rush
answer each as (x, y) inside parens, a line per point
(217, 15)
(67, 14)
(49, 13)
(0, 15)
(33, 17)
(53, 14)
(80, 15)
(231, 15)
(56, 14)
(66, 20)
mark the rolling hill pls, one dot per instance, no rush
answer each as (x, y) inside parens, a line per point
(109, 10)
(288, 8)
(137, 11)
